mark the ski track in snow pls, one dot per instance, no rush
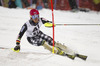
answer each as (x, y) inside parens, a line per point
(81, 39)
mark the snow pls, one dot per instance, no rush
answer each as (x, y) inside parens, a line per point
(81, 39)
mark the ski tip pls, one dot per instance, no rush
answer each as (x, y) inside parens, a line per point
(84, 57)
(14, 50)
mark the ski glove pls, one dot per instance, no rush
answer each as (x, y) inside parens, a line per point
(17, 47)
(49, 24)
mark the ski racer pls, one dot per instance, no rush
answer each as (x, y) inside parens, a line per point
(36, 37)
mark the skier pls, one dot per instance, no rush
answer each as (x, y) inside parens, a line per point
(36, 37)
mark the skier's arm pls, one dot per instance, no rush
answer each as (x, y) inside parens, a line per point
(47, 23)
(21, 33)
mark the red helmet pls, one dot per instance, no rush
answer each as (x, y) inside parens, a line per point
(34, 12)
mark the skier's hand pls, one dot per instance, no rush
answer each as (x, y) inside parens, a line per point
(49, 24)
(16, 48)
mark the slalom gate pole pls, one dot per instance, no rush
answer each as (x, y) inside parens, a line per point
(53, 24)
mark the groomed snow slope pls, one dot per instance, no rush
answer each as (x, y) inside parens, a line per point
(81, 39)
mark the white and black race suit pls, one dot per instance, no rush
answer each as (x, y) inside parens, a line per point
(33, 33)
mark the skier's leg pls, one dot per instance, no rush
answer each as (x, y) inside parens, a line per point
(48, 43)
(30, 40)
(61, 49)
(65, 48)
(45, 37)
(34, 40)
(49, 47)
(57, 50)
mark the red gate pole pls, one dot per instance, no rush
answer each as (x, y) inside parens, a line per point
(53, 24)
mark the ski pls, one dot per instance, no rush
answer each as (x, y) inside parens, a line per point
(9, 48)
(4, 48)
(70, 56)
(83, 57)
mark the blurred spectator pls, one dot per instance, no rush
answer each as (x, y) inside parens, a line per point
(96, 5)
(25, 3)
(18, 3)
(39, 4)
(49, 3)
(30, 2)
(96, 1)
(0, 3)
(73, 4)
(34, 1)
(61, 4)
(12, 4)
(45, 3)
(5, 3)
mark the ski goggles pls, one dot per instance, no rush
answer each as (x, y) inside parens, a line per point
(35, 16)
